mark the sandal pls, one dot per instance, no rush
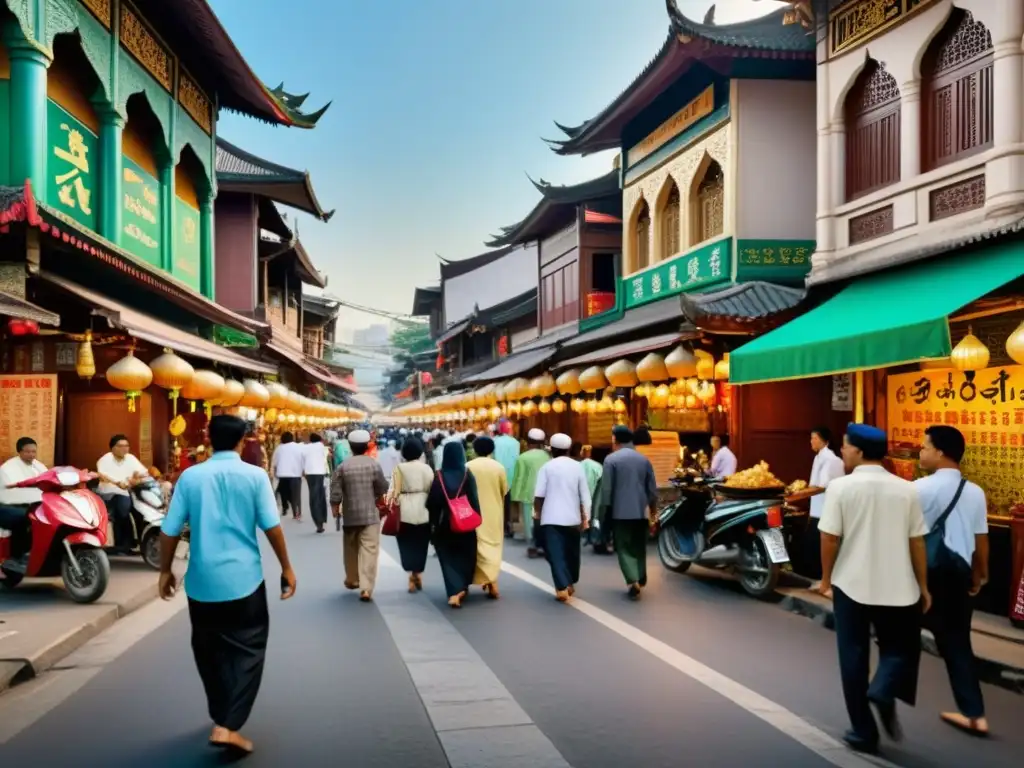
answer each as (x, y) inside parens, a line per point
(365, 596)
(975, 726)
(419, 582)
(412, 583)
(455, 601)
(492, 591)
(562, 595)
(351, 585)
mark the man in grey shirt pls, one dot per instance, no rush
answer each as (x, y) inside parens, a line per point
(630, 491)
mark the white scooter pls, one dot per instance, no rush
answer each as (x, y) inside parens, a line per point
(149, 508)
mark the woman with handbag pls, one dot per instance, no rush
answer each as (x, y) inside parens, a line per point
(454, 515)
(410, 484)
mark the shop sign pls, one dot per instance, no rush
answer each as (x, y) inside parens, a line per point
(72, 166)
(141, 212)
(186, 243)
(28, 408)
(702, 106)
(857, 22)
(774, 260)
(65, 356)
(987, 406)
(842, 392)
(706, 266)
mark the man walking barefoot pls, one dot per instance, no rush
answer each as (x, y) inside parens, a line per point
(224, 501)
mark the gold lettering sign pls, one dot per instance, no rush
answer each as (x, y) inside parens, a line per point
(858, 21)
(28, 408)
(702, 106)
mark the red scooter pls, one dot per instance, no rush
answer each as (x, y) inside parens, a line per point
(68, 530)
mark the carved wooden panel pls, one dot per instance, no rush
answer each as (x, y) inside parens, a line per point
(709, 215)
(143, 45)
(643, 238)
(670, 225)
(100, 9)
(872, 132)
(870, 225)
(195, 102)
(966, 195)
(857, 21)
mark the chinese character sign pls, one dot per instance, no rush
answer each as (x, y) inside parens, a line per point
(785, 260)
(987, 406)
(72, 166)
(186, 244)
(28, 408)
(141, 213)
(705, 266)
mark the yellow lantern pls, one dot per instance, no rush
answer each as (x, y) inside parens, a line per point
(592, 405)
(177, 426)
(254, 394)
(593, 379)
(605, 404)
(495, 412)
(707, 393)
(705, 365)
(543, 386)
(1015, 345)
(659, 398)
(680, 363)
(517, 389)
(544, 406)
(499, 393)
(558, 406)
(295, 401)
(692, 402)
(621, 373)
(231, 395)
(568, 382)
(270, 415)
(619, 406)
(579, 405)
(85, 363)
(528, 408)
(722, 368)
(130, 375)
(641, 390)
(172, 373)
(652, 368)
(278, 395)
(205, 385)
(514, 408)
(970, 354)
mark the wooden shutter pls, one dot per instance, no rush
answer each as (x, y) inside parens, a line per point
(710, 211)
(872, 132)
(670, 225)
(643, 238)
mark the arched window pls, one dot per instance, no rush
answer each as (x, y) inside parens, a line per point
(670, 223)
(872, 132)
(642, 233)
(709, 205)
(957, 74)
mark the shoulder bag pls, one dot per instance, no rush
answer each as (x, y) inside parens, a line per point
(462, 517)
(391, 510)
(940, 556)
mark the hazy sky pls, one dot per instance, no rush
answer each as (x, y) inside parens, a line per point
(439, 107)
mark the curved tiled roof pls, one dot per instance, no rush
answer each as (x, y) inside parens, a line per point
(745, 301)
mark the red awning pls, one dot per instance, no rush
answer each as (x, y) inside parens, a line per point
(308, 366)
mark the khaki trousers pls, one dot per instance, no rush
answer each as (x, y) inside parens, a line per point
(362, 548)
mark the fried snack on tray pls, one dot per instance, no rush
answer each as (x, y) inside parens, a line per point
(796, 486)
(758, 476)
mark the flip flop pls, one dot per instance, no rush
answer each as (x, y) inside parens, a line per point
(969, 725)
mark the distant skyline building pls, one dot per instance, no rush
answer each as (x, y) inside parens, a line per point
(375, 335)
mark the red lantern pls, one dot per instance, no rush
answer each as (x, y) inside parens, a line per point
(19, 327)
(426, 378)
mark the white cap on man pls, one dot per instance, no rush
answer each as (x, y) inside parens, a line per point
(536, 435)
(561, 442)
(359, 437)
(403, 431)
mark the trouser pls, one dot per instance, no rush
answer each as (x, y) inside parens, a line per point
(631, 548)
(898, 631)
(507, 501)
(229, 642)
(362, 547)
(14, 518)
(810, 551)
(317, 499)
(950, 621)
(290, 490)
(562, 550)
(119, 510)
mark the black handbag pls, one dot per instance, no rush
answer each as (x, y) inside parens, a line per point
(940, 556)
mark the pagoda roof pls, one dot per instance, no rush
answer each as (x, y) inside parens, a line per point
(688, 42)
(450, 269)
(208, 53)
(241, 171)
(424, 299)
(556, 208)
(273, 250)
(320, 305)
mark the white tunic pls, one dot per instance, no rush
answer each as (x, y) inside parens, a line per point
(15, 470)
(119, 471)
(562, 484)
(826, 468)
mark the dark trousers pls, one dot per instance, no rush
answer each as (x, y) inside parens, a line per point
(810, 551)
(229, 642)
(317, 499)
(898, 631)
(950, 621)
(14, 518)
(290, 490)
(508, 515)
(562, 550)
(119, 510)
(631, 548)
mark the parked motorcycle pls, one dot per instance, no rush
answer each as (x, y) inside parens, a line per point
(149, 508)
(716, 531)
(68, 529)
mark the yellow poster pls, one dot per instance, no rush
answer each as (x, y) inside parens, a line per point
(28, 408)
(987, 406)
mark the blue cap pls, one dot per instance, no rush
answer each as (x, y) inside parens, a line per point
(865, 432)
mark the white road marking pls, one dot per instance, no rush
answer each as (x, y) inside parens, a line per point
(777, 716)
(9, 633)
(27, 703)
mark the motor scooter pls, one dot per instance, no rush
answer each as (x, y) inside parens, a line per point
(68, 529)
(149, 508)
(717, 531)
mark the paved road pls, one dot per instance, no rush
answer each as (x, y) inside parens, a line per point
(696, 674)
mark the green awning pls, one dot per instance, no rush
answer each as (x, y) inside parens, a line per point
(890, 318)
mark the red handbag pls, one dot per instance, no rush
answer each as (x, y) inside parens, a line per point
(463, 518)
(390, 515)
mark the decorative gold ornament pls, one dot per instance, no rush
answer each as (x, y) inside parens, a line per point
(495, 412)
(652, 368)
(619, 406)
(722, 368)
(85, 363)
(621, 373)
(171, 372)
(579, 405)
(1015, 345)
(130, 375)
(177, 426)
(544, 406)
(592, 405)
(681, 363)
(558, 406)
(970, 354)
(642, 390)
(705, 365)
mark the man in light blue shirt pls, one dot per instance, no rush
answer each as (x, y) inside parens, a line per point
(224, 501)
(506, 452)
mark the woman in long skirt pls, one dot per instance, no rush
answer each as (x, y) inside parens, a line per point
(410, 484)
(456, 552)
(491, 487)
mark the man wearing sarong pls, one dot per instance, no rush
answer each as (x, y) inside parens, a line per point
(491, 489)
(527, 466)
(629, 489)
(355, 488)
(224, 501)
(506, 452)
(561, 509)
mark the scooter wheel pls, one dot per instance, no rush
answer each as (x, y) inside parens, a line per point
(669, 551)
(760, 585)
(150, 547)
(11, 579)
(91, 583)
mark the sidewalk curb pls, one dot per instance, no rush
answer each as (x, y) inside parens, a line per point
(15, 672)
(991, 671)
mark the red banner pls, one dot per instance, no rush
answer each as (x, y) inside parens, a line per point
(599, 301)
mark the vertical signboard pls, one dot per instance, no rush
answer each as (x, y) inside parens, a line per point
(72, 166)
(186, 243)
(141, 213)
(28, 408)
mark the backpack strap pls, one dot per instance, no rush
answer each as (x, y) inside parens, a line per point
(940, 524)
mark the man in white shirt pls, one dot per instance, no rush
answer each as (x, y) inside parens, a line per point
(561, 505)
(15, 503)
(287, 465)
(723, 460)
(119, 472)
(389, 458)
(315, 468)
(827, 467)
(965, 534)
(878, 575)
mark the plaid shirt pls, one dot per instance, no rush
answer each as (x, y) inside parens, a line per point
(356, 484)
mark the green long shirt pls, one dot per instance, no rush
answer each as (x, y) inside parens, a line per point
(527, 466)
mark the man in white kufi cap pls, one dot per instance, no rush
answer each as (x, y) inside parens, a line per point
(561, 510)
(525, 480)
(356, 485)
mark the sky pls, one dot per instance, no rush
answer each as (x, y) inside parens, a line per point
(439, 108)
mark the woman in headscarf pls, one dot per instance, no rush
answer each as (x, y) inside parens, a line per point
(456, 552)
(410, 484)
(491, 486)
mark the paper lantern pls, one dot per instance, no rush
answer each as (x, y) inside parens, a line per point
(130, 375)
(85, 363)
(177, 426)
(254, 394)
(681, 363)
(593, 379)
(722, 368)
(592, 405)
(605, 404)
(495, 413)
(641, 390)
(705, 365)
(518, 389)
(707, 393)
(231, 395)
(205, 385)
(659, 397)
(278, 395)
(579, 405)
(568, 382)
(170, 372)
(619, 406)
(970, 354)
(558, 406)
(270, 415)
(621, 373)
(543, 386)
(1015, 345)
(500, 395)
(692, 402)
(652, 368)
(528, 408)
(544, 406)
